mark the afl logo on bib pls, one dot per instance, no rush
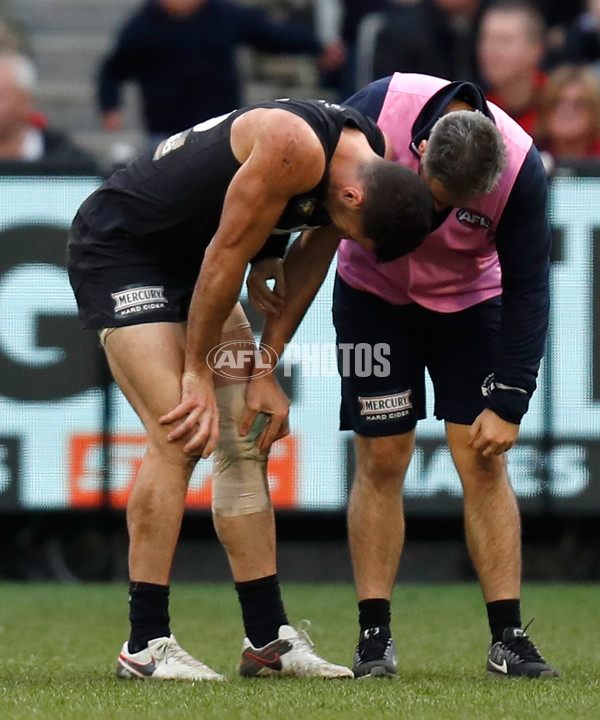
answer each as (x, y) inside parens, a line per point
(471, 219)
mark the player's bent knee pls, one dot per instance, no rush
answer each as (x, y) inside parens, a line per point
(240, 483)
(172, 453)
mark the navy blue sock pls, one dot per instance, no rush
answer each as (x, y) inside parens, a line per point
(262, 609)
(374, 612)
(503, 614)
(148, 614)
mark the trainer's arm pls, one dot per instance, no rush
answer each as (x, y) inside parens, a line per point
(523, 243)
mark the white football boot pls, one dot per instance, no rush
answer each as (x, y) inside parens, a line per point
(163, 659)
(292, 654)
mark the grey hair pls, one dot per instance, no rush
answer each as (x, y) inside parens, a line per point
(25, 72)
(466, 153)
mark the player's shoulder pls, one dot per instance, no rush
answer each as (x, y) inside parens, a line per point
(282, 129)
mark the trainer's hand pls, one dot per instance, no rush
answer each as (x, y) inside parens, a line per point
(491, 435)
(264, 395)
(199, 414)
(263, 299)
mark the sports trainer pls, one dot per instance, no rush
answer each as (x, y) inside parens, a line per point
(156, 259)
(470, 305)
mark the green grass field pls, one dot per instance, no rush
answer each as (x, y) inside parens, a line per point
(58, 645)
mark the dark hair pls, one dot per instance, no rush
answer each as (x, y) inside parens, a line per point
(397, 209)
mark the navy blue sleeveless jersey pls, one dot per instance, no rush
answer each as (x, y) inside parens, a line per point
(169, 203)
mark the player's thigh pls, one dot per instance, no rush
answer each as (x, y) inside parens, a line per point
(380, 363)
(146, 361)
(462, 352)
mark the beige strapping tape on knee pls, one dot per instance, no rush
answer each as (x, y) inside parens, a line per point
(240, 484)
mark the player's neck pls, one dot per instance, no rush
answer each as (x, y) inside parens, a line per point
(352, 149)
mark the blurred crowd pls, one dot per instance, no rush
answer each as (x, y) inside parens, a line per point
(537, 59)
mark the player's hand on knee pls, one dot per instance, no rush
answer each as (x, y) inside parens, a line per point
(198, 413)
(264, 395)
(491, 435)
(264, 299)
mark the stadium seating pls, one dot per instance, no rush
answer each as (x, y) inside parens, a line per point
(68, 37)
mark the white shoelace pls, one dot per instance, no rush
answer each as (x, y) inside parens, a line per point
(171, 651)
(305, 645)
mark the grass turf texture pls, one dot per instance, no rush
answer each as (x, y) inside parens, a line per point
(58, 646)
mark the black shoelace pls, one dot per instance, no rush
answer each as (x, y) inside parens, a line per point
(524, 647)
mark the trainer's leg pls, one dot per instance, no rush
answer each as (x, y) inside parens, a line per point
(375, 512)
(376, 535)
(492, 521)
(493, 531)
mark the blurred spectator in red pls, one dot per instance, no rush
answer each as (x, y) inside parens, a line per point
(510, 50)
(568, 125)
(182, 55)
(24, 134)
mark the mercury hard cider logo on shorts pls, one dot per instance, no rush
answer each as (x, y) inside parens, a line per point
(386, 407)
(241, 358)
(135, 300)
(472, 219)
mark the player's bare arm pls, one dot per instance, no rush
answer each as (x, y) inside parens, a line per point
(305, 267)
(264, 299)
(284, 159)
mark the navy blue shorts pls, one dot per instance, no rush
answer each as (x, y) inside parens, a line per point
(117, 284)
(384, 350)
